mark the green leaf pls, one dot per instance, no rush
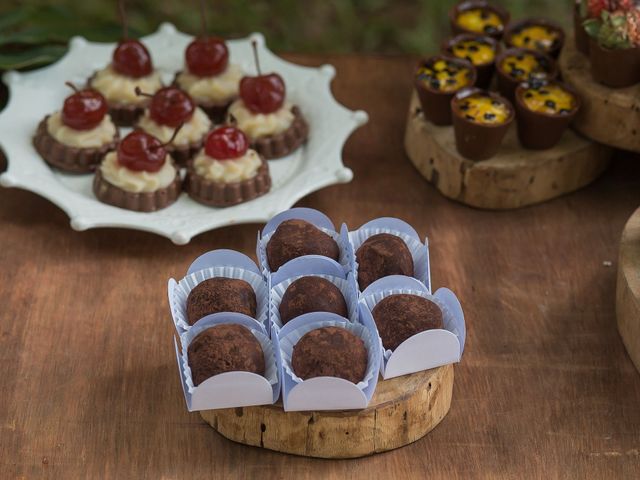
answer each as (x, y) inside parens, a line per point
(32, 57)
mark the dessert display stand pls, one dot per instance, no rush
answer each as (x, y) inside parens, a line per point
(402, 410)
(628, 288)
(514, 177)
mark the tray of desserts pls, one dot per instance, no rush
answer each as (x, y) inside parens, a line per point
(174, 135)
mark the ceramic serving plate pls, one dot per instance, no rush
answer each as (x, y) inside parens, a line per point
(318, 164)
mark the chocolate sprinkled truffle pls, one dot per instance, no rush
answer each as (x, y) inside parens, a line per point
(311, 294)
(220, 294)
(295, 238)
(330, 352)
(401, 316)
(224, 348)
(382, 255)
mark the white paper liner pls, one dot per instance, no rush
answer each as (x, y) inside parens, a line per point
(288, 342)
(345, 286)
(183, 288)
(270, 366)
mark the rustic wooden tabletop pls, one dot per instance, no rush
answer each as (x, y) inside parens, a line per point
(545, 389)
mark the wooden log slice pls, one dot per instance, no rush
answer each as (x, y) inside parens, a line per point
(402, 410)
(608, 115)
(513, 178)
(628, 288)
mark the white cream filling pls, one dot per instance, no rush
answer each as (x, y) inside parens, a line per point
(120, 89)
(220, 88)
(227, 171)
(259, 124)
(98, 136)
(136, 182)
(191, 132)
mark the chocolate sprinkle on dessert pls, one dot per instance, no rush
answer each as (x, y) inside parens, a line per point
(382, 255)
(220, 294)
(311, 294)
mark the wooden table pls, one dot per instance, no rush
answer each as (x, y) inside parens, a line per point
(545, 389)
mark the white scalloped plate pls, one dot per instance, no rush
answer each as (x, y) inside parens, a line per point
(317, 165)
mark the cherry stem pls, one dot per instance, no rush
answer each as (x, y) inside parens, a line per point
(232, 120)
(254, 45)
(203, 19)
(72, 86)
(122, 13)
(173, 137)
(140, 93)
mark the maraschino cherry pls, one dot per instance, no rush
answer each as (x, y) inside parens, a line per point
(262, 93)
(83, 110)
(170, 106)
(131, 57)
(140, 151)
(206, 56)
(226, 143)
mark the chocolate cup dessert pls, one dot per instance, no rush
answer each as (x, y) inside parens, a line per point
(219, 194)
(484, 71)
(516, 27)
(282, 144)
(539, 130)
(67, 158)
(580, 35)
(507, 84)
(217, 112)
(472, 4)
(138, 202)
(436, 104)
(614, 67)
(474, 140)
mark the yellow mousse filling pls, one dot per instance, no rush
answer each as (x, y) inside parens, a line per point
(524, 66)
(476, 51)
(549, 99)
(445, 76)
(484, 109)
(535, 37)
(480, 20)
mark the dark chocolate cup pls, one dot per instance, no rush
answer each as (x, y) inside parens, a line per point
(515, 27)
(68, 158)
(282, 144)
(123, 115)
(139, 202)
(615, 68)
(469, 4)
(436, 104)
(506, 84)
(217, 194)
(580, 35)
(484, 72)
(537, 130)
(217, 112)
(478, 141)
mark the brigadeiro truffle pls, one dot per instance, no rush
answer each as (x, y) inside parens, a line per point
(330, 352)
(311, 294)
(401, 316)
(220, 294)
(295, 238)
(382, 255)
(224, 348)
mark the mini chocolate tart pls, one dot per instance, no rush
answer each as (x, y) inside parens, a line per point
(580, 35)
(480, 50)
(216, 111)
(544, 111)
(284, 143)
(220, 194)
(614, 67)
(535, 34)
(123, 115)
(66, 157)
(437, 79)
(517, 65)
(478, 17)
(480, 121)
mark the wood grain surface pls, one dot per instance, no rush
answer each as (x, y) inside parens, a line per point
(545, 388)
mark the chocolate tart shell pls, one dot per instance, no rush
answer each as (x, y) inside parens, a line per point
(478, 141)
(218, 194)
(539, 131)
(469, 4)
(517, 26)
(183, 153)
(614, 67)
(217, 112)
(68, 158)
(484, 72)
(436, 104)
(282, 144)
(121, 114)
(138, 202)
(580, 35)
(507, 84)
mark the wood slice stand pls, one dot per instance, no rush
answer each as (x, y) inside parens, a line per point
(402, 410)
(513, 178)
(628, 288)
(608, 115)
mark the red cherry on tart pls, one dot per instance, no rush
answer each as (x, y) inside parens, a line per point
(207, 56)
(171, 106)
(84, 110)
(263, 93)
(140, 151)
(131, 58)
(226, 143)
